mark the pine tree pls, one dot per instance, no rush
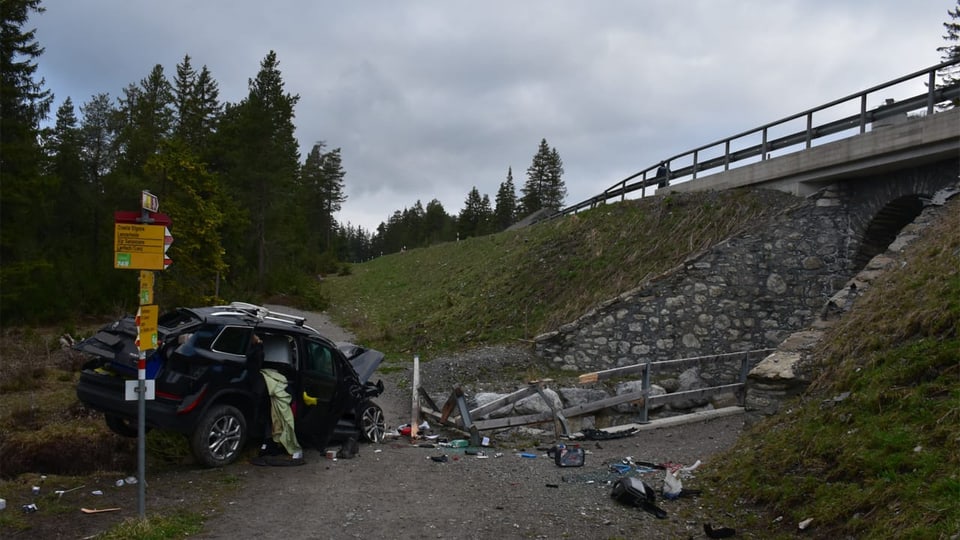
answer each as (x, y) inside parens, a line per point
(26, 277)
(262, 162)
(544, 187)
(321, 179)
(197, 105)
(147, 114)
(475, 217)
(505, 211)
(439, 226)
(951, 75)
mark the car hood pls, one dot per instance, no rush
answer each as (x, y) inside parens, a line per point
(364, 361)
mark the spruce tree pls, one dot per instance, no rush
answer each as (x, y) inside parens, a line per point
(505, 211)
(950, 52)
(26, 277)
(544, 187)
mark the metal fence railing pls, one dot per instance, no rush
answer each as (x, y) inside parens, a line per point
(757, 144)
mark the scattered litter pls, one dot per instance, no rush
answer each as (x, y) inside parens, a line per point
(98, 511)
(804, 524)
(131, 480)
(439, 459)
(35, 490)
(833, 401)
(3, 504)
(378, 450)
(96, 492)
(719, 532)
(553, 485)
(527, 455)
(636, 492)
(602, 435)
(119, 483)
(498, 454)
(482, 455)
(29, 508)
(59, 493)
(672, 486)
(620, 468)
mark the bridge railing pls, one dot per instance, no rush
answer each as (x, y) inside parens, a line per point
(757, 144)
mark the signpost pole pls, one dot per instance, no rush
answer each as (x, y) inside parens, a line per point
(141, 240)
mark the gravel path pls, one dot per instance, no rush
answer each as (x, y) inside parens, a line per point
(395, 489)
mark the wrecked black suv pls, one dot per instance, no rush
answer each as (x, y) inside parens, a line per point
(202, 382)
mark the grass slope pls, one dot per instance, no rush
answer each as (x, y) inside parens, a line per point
(518, 284)
(884, 461)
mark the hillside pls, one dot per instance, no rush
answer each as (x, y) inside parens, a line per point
(518, 284)
(879, 462)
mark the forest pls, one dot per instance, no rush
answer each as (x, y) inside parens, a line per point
(250, 215)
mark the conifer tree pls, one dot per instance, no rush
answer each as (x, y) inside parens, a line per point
(544, 187)
(505, 211)
(475, 217)
(951, 75)
(26, 279)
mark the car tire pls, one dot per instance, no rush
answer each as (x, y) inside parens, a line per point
(371, 422)
(122, 426)
(219, 437)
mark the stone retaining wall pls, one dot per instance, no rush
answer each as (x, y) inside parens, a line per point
(748, 292)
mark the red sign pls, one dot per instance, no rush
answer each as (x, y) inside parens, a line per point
(133, 216)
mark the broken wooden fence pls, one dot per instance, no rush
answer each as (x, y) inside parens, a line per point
(456, 414)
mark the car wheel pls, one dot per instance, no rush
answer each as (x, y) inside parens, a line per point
(219, 436)
(122, 426)
(372, 425)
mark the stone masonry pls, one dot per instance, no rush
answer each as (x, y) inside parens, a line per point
(749, 292)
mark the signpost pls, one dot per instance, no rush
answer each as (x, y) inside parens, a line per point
(140, 242)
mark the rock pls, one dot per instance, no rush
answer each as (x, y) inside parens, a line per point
(535, 405)
(690, 380)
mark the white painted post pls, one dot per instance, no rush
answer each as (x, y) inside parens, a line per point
(415, 404)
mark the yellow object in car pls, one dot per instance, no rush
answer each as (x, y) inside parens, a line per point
(307, 400)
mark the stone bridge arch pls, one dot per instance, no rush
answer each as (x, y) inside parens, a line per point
(879, 206)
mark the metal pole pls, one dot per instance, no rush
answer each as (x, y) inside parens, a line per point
(645, 414)
(141, 433)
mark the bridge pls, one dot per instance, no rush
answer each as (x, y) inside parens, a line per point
(820, 146)
(862, 175)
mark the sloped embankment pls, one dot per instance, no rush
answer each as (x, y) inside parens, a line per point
(517, 284)
(870, 449)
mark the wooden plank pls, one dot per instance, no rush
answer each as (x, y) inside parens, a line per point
(450, 405)
(610, 373)
(425, 397)
(511, 421)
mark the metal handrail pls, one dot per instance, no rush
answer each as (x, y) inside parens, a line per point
(926, 101)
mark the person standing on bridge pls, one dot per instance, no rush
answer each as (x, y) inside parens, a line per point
(663, 175)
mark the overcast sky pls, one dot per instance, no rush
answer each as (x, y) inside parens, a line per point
(428, 99)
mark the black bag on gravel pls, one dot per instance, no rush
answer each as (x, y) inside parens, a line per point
(635, 492)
